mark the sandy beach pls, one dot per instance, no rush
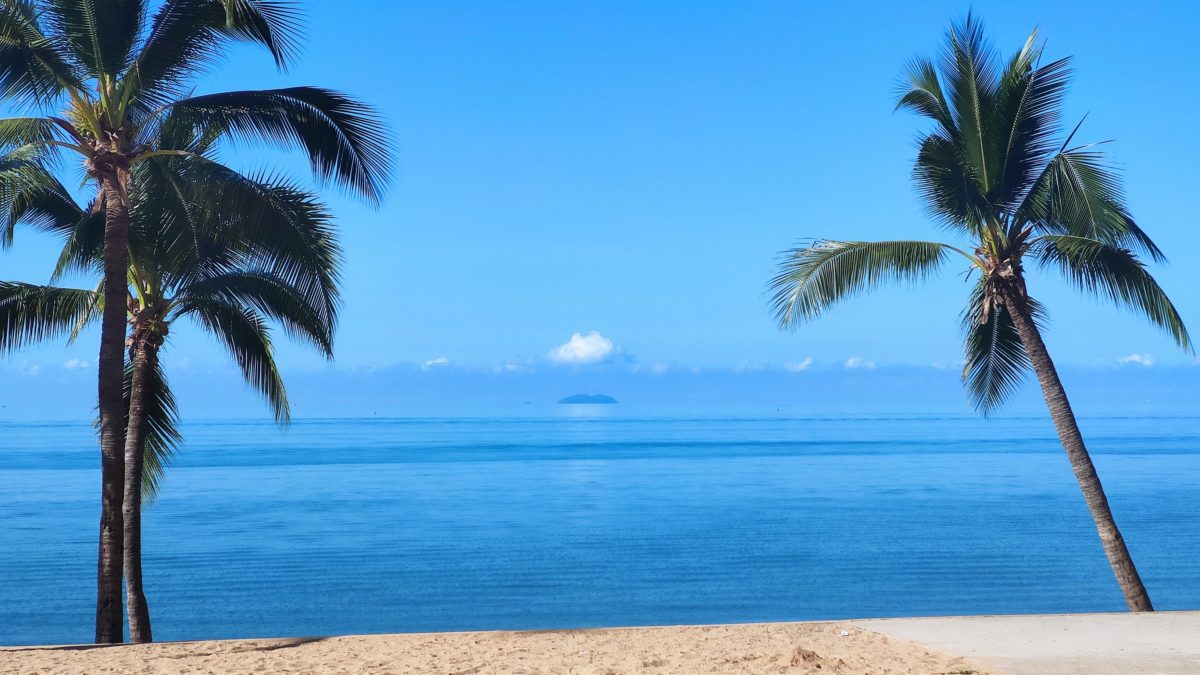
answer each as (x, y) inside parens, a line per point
(1091, 644)
(682, 650)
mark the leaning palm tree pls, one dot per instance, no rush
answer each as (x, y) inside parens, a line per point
(102, 74)
(996, 170)
(230, 270)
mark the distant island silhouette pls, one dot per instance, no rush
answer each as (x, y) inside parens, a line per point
(588, 399)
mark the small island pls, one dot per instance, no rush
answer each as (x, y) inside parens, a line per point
(588, 399)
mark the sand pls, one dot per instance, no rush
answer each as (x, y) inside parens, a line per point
(1155, 643)
(678, 650)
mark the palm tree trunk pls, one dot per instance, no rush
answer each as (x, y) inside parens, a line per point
(111, 366)
(142, 356)
(1081, 462)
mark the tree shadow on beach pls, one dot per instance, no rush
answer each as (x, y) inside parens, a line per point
(274, 645)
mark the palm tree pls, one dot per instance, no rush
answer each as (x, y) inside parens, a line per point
(103, 74)
(995, 170)
(272, 256)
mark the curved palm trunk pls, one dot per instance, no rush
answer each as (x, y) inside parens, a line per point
(1081, 462)
(111, 366)
(143, 358)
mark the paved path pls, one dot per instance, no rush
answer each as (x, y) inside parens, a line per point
(1095, 644)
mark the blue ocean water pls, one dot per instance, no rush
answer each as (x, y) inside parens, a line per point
(361, 526)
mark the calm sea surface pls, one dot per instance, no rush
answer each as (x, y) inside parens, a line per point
(362, 526)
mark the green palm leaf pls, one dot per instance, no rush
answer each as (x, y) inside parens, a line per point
(812, 278)
(188, 36)
(921, 92)
(32, 195)
(32, 68)
(269, 295)
(84, 246)
(248, 339)
(234, 222)
(1104, 270)
(99, 34)
(970, 66)
(1078, 194)
(344, 139)
(1026, 115)
(30, 314)
(17, 132)
(949, 185)
(994, 359)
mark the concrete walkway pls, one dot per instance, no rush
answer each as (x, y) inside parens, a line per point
(1095, 644)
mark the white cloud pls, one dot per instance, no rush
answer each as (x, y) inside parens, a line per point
(748, 366)
(859, 362)
(798, 366)
(75, 364)
(657, 368)
(439, 362)
(581, 349)
(1144, 359)
(511, 367)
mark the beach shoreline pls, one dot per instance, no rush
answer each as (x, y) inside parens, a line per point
(1099, 644)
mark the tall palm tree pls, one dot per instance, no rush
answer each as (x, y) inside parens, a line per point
(996, 170)
(102, 74)
(272, 256)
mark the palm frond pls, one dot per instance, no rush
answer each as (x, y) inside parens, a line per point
(188, 36)
(273, 24)
(173, 131)
(162, 437)
(1078, 194)
(18, 132)
(994, 359)
(168, 231)
(248, 339)
(30, 314)
(228, 221)
(83, 247)
(1108, 271)
(344, 139)
(921, 92)
(99, 34)
(270, 296)
(32, 195)
(969, 67)
(812, 278)
(949, 185)
(32, 68)
(93, 311)
(1026, 121)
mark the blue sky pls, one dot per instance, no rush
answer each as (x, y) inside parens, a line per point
(634, 168)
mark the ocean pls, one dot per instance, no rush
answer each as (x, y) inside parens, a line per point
(591, 516)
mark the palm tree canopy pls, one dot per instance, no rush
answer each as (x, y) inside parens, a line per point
(233, 253)
(996, 169)
(114, 73)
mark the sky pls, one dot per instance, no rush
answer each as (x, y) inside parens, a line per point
(594, 194)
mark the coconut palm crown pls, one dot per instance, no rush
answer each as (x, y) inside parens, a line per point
(232, 272)
(997, 170)
(99, 76)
